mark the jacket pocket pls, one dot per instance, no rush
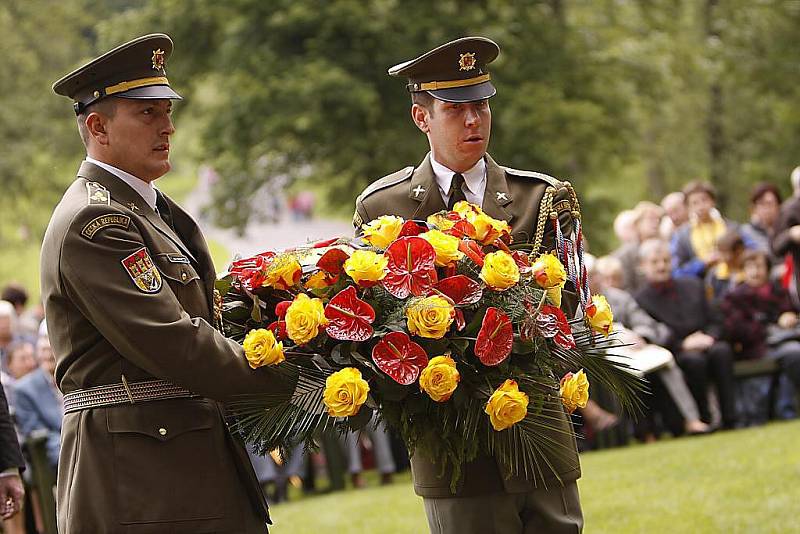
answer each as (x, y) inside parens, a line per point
(184, 282)
(165, 461)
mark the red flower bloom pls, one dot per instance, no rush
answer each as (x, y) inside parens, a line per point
(411, 269)
(332, 261)
(462, 290)
(281, 307)
(349, 318)
(553, 324)
(399, 357)
(495, 338)
(473, 250)
(411, 228)
(279, 329)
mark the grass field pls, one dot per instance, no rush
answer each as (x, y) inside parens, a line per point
(744, 481)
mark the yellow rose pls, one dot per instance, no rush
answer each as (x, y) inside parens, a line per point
(365, 265)
(446, 247)
(549, 271)
(507, 405)
(599, 315)
(261, 348)
(430, 317)
(283, 273)
(382, 231)
(304, 318)
(440, 378)
(345, 392)
(488, 229)
(467, 210)
(574, 390)
(499, 270)
(440, 221)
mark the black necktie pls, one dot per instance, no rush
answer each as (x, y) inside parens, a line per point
(456, 190)
(163, 209)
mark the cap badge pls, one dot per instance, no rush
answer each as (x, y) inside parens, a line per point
(158, 59)
(466, 61)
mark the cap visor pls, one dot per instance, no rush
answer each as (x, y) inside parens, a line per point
(150, 92)
(471, 93)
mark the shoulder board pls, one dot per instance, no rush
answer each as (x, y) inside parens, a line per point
(532, 174)
(97, 194)
(386, 181)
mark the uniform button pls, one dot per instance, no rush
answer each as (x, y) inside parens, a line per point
(183, 276)
(162, 431)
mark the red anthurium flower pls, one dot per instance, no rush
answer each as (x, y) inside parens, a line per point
(411, 228)
(521, 259)
(411, 269)
(473, 250)
(281, 307)
(332, 261)
(279, 329)
(495, 338)
(399, 357)
(251, 273)
(553, 324)
(462, 290)
(460, 321)
(349, 318)
(326, 243)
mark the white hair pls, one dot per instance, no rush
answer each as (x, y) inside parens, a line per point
(795, 178)
(7, 310)
(651, 246)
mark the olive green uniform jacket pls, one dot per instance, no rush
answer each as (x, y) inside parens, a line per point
(513, 196)
(169, 466)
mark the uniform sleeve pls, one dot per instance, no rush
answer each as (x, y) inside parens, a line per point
(782, 242)
(151, 329)
(360, 216)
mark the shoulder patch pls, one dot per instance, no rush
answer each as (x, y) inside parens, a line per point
(533, 174)
(104, 221)
(386, 181)
(97, 194)
(144, 274)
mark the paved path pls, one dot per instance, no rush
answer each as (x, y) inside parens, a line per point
(259, 237)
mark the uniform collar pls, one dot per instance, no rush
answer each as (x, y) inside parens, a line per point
(474, 178)
(145, 189)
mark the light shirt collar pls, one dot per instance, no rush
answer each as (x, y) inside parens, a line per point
(474, 180)
(145, 189)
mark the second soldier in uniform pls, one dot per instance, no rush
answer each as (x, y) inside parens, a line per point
(450, 88)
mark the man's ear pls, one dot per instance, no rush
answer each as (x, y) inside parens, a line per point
(419, 115)
(96, 124)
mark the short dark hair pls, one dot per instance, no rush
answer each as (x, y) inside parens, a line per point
(761, 189)
(107, 106)
(730, 241)
(752, 255)
(424, 99)
(15, 294)
(698, 186)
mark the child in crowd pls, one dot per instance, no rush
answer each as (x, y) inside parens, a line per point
(760, 322)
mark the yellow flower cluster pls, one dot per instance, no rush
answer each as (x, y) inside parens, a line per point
(304, 318)
(382, 231)
(599, 315)
(499, 270)
(440, 378)
(574, 390)
(261, 348)
(487, 228)
(507, 405)
(283, 273)
(366, 266)
(430, 317)
(345, 392)
(446, 247)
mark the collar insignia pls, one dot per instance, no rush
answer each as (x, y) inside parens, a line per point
(466, 61)
(501, 196)
(133, 206)
(418, 191)
(158, 59)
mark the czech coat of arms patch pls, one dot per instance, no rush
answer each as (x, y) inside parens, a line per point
(142, 271)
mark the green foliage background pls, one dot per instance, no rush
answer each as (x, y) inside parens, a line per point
(628, 99)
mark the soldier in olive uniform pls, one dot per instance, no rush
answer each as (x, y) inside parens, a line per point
(450, 90)
(127, 282)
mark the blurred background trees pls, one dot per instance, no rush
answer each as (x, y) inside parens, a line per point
(628, 99)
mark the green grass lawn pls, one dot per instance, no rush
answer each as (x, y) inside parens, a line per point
(743, 481)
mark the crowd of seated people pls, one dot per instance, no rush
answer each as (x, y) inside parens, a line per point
(711, 292)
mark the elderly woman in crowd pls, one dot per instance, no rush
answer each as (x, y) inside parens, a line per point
(646, 224)
(645, 335)
(695, 337)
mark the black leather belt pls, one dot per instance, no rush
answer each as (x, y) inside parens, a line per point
(123, 393)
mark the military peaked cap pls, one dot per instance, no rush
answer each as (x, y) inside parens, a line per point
(453, 72)
(136, 69)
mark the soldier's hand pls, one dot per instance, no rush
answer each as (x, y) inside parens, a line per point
(12, 493)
